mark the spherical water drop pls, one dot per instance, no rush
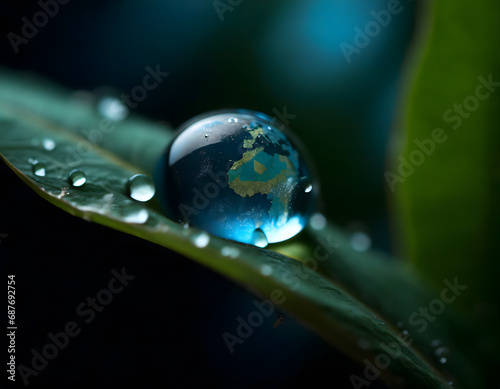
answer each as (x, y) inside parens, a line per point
(77, 177)
(200, 240)
(231, 252)
(306, 185)
(259, 239)
(141, 188)
(112, 108)
(39, 169)
(238, 179)
(48, 144)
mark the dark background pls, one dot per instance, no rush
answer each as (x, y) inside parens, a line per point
(167, 325)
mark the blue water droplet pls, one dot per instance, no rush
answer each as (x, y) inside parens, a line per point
(241, 178)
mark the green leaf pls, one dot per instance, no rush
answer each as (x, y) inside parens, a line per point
(31, 113)
(448, 205)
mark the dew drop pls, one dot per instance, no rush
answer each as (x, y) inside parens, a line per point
(360, 241)
(317, 221)
(39, 169)
(266, 270)
(112, 108)
(48, 144)
(443, 360)
(207, 135)
(135, 214)
(77, 177)
(140, 188)
(259, 239)
(306, 185)
(231, 252)
(200, 239)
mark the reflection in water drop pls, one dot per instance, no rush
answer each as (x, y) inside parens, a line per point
(200, 240)
(112, 108)
(39, 169)
(232, 120)
(231, 252)
(317, 221)
(135, 214)
(360, 241)
(259, 239)
(266, 270)
(306, 185)
(48, 144)
(77, 177)
(141, 188)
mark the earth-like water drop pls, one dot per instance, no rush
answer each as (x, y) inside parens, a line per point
(241, 178)
(141, 188)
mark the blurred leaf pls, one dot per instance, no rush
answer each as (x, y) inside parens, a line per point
(27, 122)
(447, 186)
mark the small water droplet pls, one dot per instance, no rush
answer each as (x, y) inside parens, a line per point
(207, 135)
(77, 177)
(112, 108)
(201, 239)
(141, 188)
(185, 226)
(135, 214)
(231, 252)
(39, 169)
(360, 241)
(266, 270)
(32, 160)
(306, 185)
(442, 352)
(48, 144)
(405, 332)
(259, 239)
(232, 120)
(317, 221)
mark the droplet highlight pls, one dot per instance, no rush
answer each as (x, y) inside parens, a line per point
(112, 108)
(39, 169)
(135, 214)
(317, 221)
(259, 239)
(77, 178)
(231, 252)
(266, 270)
(360, 241)
(141, 188)
(48, 144)
(200, 239)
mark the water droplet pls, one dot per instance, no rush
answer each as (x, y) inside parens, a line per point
(405, 332)
(443, 360)
(259, 239)
(442, 352)
(39, 169)
(231, 252)
(236, 182)
(317, 221)
(436, 343)
(200, 239)
(48, 144)
(141, 188)
(266, 270)
(306, 185)
(77, 177)
(185, 226)
(360, 241)
(135, 214)
(112, 108)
